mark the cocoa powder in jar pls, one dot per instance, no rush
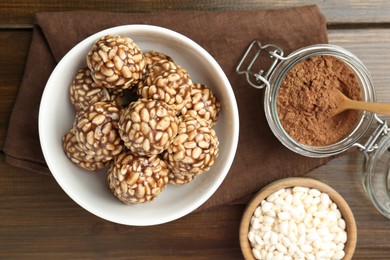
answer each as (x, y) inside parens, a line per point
(307, 99)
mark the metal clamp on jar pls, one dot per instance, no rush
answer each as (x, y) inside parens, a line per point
(376, 177)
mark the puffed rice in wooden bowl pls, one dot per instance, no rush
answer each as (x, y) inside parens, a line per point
(324, 227)
(57, 114)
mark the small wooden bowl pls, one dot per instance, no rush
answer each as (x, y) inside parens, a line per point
(342, 205)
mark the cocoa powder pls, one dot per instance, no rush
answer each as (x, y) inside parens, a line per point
(307, 99)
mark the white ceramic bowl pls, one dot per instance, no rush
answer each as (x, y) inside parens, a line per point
(90, 190)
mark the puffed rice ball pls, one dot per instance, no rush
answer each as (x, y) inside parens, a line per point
(152, 57)
(202, 104)
(116, 62)
(192, 152)
(78, 155)
(168, 83)
(147, 127)
(136, 179)
(84, 91)
(96, 130)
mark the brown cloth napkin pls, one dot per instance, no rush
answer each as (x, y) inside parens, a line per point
(260, 157)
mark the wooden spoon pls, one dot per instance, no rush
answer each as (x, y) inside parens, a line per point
(376, 107)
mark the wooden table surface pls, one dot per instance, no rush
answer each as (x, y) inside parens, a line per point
(39, 221)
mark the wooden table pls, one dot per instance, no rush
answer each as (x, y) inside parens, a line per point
(39, 221)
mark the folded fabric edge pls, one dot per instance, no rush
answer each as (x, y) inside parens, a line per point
(13, 146)
(28, 165)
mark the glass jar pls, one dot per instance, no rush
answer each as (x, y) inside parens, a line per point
(272, 78)
(376, 174)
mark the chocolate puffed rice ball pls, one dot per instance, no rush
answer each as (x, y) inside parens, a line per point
(152, 57)
(116, 62)
(192, 152)
(202, 104)
(136, 179)
(84, 91)
(78, 155)
(96, 130)
(147, 127)
(167, 82)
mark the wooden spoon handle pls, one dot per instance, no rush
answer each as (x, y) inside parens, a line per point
(379, 108)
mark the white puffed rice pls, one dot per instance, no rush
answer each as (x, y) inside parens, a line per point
(297, 223)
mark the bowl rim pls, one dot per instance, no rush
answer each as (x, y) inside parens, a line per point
(137, 28)
(342, 205)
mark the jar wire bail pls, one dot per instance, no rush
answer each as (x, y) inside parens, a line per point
(372, 144)
(255, 50)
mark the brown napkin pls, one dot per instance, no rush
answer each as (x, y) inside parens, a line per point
(260, 157)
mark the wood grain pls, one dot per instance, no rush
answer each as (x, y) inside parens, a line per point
(20, 13)
(39, 221)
